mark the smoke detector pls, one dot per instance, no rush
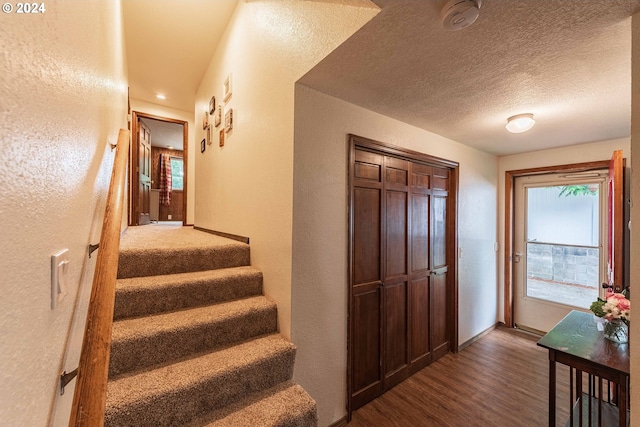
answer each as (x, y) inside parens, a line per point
(459, 14)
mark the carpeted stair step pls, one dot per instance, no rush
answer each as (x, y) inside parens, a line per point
(285, 405)
(176, 394)
(147, 341)
(140, 296)
(179, 251)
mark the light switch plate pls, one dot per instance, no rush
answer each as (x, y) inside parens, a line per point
(59, 276)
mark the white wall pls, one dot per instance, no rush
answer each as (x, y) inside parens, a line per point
(320, 236)
(634, 339)
(245, 188)
(63, 97)
(172, 113)
(558, 156)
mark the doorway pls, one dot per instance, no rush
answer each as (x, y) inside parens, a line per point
(402, 265)
(559, 246)
(158, 174)
(613, 245)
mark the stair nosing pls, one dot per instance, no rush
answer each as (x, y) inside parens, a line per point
(285, 392)
(169, 279)
(175, 320)
(181, 381)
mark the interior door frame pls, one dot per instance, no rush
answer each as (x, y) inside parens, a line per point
(133, 160)
(354, 142)
(509, 220)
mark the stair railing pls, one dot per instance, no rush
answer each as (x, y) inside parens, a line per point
(89, 399)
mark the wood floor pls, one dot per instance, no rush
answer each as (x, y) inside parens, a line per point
(500, 380)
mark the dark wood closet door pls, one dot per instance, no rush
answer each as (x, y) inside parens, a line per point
(366, 327)
(419, 294)
(395, 277)
(400, 303)
(439, 297)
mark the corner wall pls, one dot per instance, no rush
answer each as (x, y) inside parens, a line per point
(634, 339)
(63, 98)
(245, 187)
(172, 113)
(320, 236)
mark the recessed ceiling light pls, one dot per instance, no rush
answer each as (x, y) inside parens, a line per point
(161, 96)
(169, 147)
(520, 123)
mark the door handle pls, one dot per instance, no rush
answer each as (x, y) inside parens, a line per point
(517, 256)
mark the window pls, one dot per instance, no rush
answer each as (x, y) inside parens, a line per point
(177, 173)
(563, 235)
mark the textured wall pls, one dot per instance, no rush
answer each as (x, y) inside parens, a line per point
(63, 97)
(320, 236)
(635, 208)
(245, 187)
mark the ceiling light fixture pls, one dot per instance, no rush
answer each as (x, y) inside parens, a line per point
(520, 123)
(161, 96)
(459, 14)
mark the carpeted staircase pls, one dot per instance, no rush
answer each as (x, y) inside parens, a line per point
(194, 341)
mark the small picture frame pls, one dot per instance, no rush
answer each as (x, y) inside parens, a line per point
(221, 137)
(205, 120)
(212, 105)
(217, 117)
(227, 88)
(228, 120)
(209, 135)
(203, 145)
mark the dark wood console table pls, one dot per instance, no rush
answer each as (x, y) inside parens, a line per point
(576, 342)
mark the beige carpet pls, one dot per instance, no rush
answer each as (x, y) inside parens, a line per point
(152, 250)
(194, 341)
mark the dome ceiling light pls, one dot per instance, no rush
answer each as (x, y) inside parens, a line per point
(520, 123)
(459, 14)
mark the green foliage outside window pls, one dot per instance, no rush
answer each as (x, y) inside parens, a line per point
(177, 173)
(579, 190)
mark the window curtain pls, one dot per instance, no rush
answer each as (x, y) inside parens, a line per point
(165, 179)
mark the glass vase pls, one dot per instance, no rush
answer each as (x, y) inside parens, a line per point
(617, 331)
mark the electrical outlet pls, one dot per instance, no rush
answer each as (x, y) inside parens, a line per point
(169, 217)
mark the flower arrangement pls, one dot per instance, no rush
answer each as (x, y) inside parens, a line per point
(615, 309)
(615, 306)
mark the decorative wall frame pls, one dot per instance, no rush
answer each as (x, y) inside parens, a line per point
(203, 146)
(210, 134)
(228, 120)
(227, 88)
(205, 120)
(217, 117)
(212, 105)
(221, 137)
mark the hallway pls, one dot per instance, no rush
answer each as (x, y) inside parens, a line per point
(500, 380)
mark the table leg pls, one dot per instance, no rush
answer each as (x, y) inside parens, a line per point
(622, 402)
(552, 391)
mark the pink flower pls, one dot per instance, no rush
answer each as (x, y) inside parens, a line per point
(624, 305)
(618, 296)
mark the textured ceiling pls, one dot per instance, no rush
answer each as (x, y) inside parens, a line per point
(164, 134)
(566, 61)
(169, 46)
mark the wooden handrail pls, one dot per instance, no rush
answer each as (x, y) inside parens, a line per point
(90, 394)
